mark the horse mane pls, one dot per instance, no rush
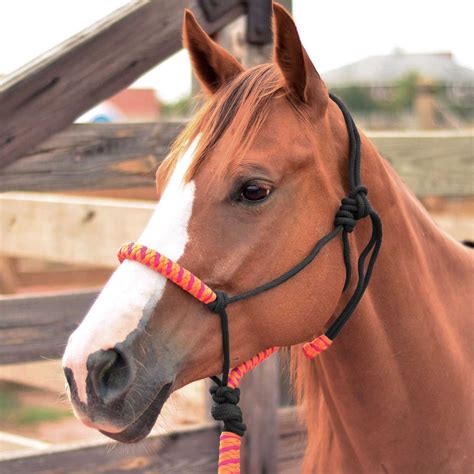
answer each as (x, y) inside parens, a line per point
(244, 104)
(308, 398)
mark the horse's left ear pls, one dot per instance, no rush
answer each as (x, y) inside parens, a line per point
(301, 77)
(212, 64)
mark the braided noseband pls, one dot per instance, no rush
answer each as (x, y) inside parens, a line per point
(226, 394)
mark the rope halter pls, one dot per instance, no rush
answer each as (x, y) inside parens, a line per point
(226, 394)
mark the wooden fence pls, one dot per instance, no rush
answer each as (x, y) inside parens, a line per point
(34, 327)
(38, 151)
(41, 152)
(188, 450)
(95, 156)
(50, 93)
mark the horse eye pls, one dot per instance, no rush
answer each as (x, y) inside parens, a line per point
(254, 192)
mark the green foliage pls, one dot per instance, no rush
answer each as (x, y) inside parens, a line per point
(7, 402)
(32, 415)
(178, 109)
(404, 92)
(356, 98)
(14, 412)
(400, 97)
(463, 110)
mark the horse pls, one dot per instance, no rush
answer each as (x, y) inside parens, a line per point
(247, 189)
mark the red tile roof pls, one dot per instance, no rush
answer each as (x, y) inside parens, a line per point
(138, 104)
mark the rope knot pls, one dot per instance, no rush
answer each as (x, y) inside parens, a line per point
(225, 408)
(220, 303)
(353, 207)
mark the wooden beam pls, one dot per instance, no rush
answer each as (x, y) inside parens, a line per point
(259, 403)
(8, 275)
(93, 156)
(89, 231)
(37, 373)
(61, 277)
(48, 94)
(291, 441)
(69, 229)
(187, 450)
(97, 156)
(9, 439)
(37, 327)
(459, 227)
(192, 450)
(439, 163)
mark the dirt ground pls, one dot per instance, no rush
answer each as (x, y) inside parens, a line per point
(34, 413)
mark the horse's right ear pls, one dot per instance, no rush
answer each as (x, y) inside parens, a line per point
(301, 78)
(212, 64)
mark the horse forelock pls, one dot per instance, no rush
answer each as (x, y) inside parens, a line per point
(243, 104)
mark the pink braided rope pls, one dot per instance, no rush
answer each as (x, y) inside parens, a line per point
(238, 372)
(229, 443)
(229, 453)
(319, 344)
(171, 270)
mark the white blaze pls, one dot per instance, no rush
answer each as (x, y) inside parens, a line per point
(119, 307)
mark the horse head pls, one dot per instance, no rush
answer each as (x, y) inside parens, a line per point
(247, 189)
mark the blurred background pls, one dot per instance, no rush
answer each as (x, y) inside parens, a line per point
(378, 56)
(405, 69)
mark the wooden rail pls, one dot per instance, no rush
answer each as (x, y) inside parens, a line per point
(66, 229)
(37, 327)
(188, 450)
(48, 94)
(57, 88)
(438, 163)
(93, 156)
(69, 229)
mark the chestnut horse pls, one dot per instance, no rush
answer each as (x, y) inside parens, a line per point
(249, 187)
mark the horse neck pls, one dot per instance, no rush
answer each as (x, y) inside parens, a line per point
(411, 326)
(420, 270)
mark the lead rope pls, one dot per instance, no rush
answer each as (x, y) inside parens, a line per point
(226, 398)
(226, 394)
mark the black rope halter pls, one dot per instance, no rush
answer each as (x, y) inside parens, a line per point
(354, 206)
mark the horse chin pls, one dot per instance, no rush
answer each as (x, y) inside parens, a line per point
(140, 428)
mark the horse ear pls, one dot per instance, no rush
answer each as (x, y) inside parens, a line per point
(301, 77)
(212, 64)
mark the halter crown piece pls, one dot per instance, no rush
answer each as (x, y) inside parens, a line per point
(226, 393)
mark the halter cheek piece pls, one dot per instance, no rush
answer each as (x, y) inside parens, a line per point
(226, 393)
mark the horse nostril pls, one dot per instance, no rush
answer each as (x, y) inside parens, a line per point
(110, 374)
(69, 378)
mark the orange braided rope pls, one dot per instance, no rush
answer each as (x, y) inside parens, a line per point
(238, 372)
(229, 443)
(229, 453)
(316, 346)
(169, 269)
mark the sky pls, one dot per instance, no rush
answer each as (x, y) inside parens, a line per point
(334, 32)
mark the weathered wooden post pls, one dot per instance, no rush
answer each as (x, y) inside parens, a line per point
(425, 105)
